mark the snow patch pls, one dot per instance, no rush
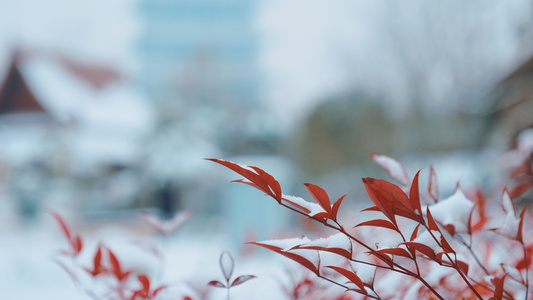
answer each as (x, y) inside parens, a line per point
(454, 210)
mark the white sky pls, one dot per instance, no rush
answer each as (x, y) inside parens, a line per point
(98, 29)
(309, 48)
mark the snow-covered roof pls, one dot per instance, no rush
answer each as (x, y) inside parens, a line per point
(109, 112)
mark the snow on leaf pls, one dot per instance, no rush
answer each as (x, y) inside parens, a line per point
(320, 196)
(285, 244)
(507, 203)
(365, 272)
(395, 251)
(307, 258)
(310, 259)
(424, 249)
(337, 243)
(511, 227)
(307, 207)
(257, 177)
(351, 276)
(393, 168)
(454, 210)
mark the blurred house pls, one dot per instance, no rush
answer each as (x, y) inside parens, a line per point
(99, 115)
(62, 117)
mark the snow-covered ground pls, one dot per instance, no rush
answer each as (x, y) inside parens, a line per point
(28, 270)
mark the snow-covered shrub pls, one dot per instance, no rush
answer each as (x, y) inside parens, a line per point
(466, 246)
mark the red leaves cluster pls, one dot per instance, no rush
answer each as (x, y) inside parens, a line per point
(145, 292)
(74, 241)
(256, 177)
(105, 263)
(393, 201)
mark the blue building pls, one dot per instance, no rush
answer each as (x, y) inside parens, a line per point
(199, 49)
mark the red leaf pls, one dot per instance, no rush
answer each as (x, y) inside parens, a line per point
(521, 188)
(433, 186)
(262, 180)
(116, 269)
(480, 205)
(242, 279)
(62, 224)
(216, 283)
(272, 183)
(336, 206)
(431, 222)
(415, 233)
(463, 266)
(298, 206)
(297, 258)
(372, 208)
(521, 265)
(414, 195)
(98, 268)
(390, 199)
(381, 203)
(77, 245)
(320, 196)
(498, 284)
(424, 249)
(395, 251)
(301, 260)
(521, 226)
(379, 223)
(339, 251)
(159, 289)
(449, 228)
(143, 279)
(351, 276)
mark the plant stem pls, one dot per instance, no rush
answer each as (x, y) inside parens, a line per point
(454, 263)
(383, 257)
(526, 267)
(343, 286)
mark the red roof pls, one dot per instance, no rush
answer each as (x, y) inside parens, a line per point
(15, 95)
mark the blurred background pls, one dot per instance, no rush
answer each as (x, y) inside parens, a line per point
(108, 108)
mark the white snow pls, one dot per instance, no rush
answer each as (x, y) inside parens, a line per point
(365, 272)
(314, 208)
(338, 240)
(454, 210)
(395, 170)
(525, 141)
(287, 244)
